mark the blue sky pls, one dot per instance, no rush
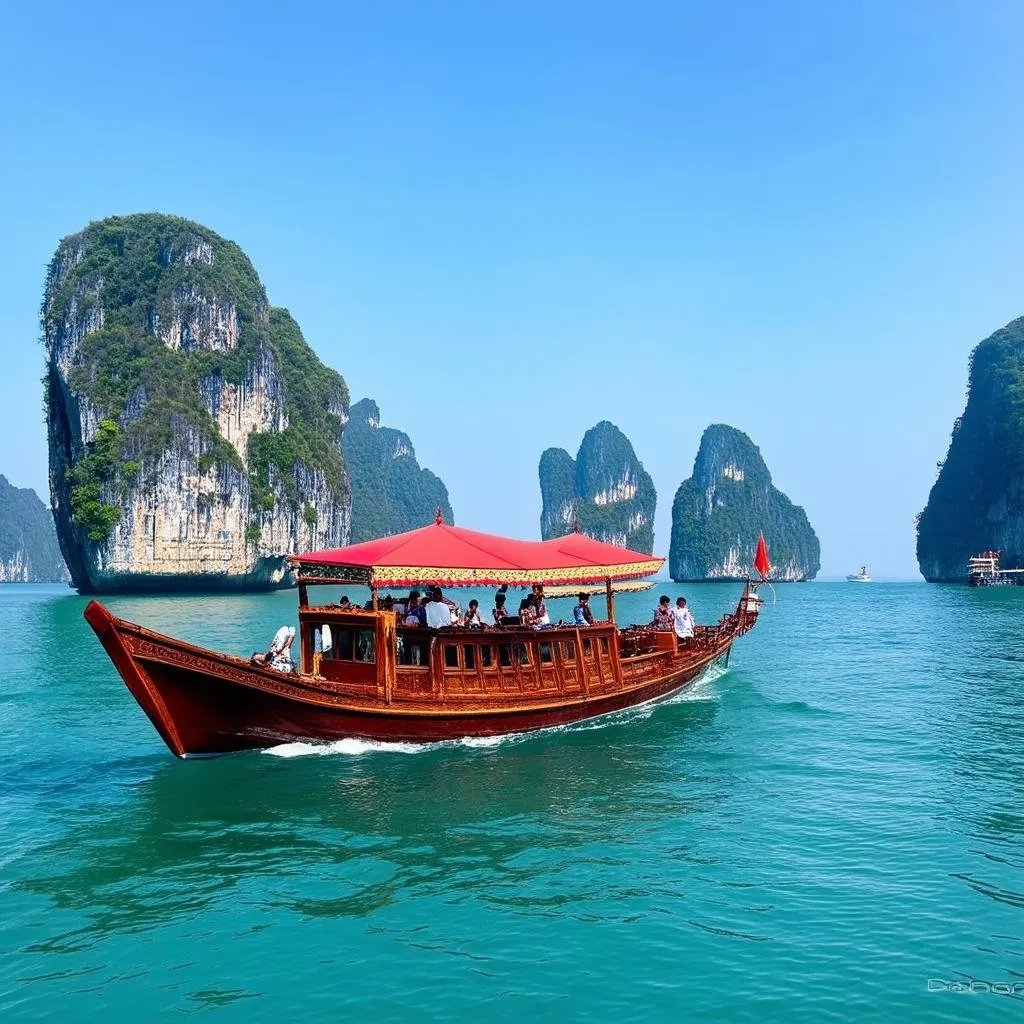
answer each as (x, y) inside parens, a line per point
(512, 220)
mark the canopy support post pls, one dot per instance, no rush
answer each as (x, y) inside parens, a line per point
(303, 595)
(373, 597)
(611, 599)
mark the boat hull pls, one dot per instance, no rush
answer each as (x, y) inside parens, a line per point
(205, 703)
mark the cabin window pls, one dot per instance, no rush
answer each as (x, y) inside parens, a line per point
(588, 648)
(364, 646)
(522, 654)
(469, 657)
(486, 656)
(545, 651)
(604, 645)
(569, 651)
(451, 656)
(505, 655)
(342, 644)
(412, 652)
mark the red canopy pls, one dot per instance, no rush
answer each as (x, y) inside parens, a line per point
(442, 555)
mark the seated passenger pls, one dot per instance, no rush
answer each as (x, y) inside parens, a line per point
(438, 613)
(345, 604)
(540, 609)
(663, 616)
(499, 608)
(525, 612)
(415, 613)
(472, 617)
(278, 656)
(581, 614)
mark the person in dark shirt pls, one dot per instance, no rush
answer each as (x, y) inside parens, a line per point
(581, 614)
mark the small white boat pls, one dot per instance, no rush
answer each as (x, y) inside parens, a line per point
(860, 577)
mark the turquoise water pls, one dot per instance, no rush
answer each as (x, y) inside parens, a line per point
(812, 835)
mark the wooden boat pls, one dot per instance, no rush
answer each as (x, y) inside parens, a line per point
(383, 680)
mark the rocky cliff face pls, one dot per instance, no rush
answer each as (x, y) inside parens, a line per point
(390, 492)
(194, 436)
(977, 502)
(606, 489)
(719, 512)
(29, 552)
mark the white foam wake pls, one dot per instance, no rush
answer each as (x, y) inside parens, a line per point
(702, 689)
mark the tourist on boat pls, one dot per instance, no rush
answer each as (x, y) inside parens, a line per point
(526, 612)
(684, 623)
(279, 657)
(415, 612)
(472, 616)
(581, 614)
(540, 609)
(499, 608)
(345, 604)
(663, 616)
(438, 611)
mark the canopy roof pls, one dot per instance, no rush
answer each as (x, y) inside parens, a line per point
(451, 556)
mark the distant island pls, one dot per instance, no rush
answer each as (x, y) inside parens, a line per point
(29, 552)
(977, 501)
(390, 492)
(605, 491)
(195, 439)
(719, 512)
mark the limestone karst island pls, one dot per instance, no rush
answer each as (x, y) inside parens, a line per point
(977, 501)
(605, 491)
(195, 439)
(719, 511)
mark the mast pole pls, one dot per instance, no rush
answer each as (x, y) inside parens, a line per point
(610, 598)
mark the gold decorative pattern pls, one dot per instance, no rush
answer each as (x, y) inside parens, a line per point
(410, 575)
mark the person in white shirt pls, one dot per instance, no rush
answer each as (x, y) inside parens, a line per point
(438, 611)
(683, 617)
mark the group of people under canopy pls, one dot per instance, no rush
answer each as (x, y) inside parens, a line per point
(437, 611)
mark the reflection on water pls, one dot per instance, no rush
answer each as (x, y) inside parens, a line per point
(180, 838)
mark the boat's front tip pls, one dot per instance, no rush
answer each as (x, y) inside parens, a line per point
(98, 617)
(104, 625)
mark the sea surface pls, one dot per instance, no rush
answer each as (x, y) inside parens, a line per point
(830, 829)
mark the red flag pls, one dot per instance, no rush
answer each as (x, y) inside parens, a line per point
(761, 563)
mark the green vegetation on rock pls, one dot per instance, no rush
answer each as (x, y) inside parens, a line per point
(721, 509)
(977, 501)
(390, 492)
(606, 490)
(135, 292)
(29, 551)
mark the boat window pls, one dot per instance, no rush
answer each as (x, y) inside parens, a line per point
(469, 656)
(451, 656)
(522, 654)
(588, 648)
(604, 645)
(505, 655)
(412, 652)
(486, 656)
(342, 644)
(545, 651)
(364, 645)
(569, 651)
